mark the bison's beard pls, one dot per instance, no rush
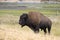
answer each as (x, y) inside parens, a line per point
(22, 26)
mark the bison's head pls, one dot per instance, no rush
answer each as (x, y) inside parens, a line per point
(22, 20)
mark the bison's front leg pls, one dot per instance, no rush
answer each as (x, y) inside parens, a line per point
(36, 29)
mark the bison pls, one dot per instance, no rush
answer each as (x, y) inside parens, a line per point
(35, 21)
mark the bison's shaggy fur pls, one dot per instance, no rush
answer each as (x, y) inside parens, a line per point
(34, 17)
(35, 21)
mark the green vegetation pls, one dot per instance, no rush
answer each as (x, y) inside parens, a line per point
(18, 12)
(11, 17)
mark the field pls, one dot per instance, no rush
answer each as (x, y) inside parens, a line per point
(11, 30)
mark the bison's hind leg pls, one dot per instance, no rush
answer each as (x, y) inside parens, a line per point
(44, 30)
(49, 29)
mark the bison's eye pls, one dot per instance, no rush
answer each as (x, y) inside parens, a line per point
(22, 22)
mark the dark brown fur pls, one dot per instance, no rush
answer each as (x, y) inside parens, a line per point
(34, 17)
(36, 21)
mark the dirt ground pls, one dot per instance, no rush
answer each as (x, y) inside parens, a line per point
(7, 32)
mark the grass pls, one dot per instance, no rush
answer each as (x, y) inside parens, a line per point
(11, 30)
(11, 17)
(14, 32)
(18, 12)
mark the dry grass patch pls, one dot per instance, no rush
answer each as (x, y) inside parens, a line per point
(9, 33)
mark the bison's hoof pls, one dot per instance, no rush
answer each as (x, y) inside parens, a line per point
(36, 31)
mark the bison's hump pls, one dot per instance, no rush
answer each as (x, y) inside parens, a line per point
(34, 17)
